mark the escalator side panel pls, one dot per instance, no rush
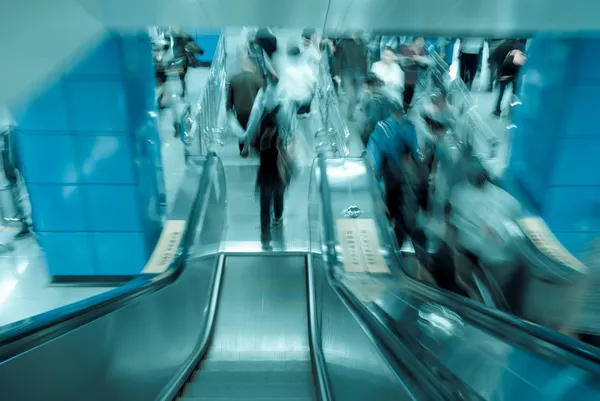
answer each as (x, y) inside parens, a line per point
(356, 368)
(260, 348)
(129, 354)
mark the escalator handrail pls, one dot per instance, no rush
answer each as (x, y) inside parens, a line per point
(315, 338)
(51, 324)
(500, 324)
(399, 355)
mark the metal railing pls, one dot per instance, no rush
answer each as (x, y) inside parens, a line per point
(333, 138)
(470, 126)
(202, 126)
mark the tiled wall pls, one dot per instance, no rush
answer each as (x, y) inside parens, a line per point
(556, 148)
(89, 145)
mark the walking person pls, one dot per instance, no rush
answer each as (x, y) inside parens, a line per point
(508, 75)
(470, 49)
(241, 93)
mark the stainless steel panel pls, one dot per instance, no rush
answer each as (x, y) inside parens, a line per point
(357, 370)
(260, 344)
(132, 353)
(262, 313)
(243, 214)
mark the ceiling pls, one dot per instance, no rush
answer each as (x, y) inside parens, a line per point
(38, 37)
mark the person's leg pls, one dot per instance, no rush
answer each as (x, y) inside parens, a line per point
(183, 84)
(278, 204)
(471, 68)
(266, 196)
(492, 78)
(498, 108)
(409, 93)
(462, 67)
(350, 82)
(243, 120)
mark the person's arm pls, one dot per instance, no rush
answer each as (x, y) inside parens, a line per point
(374, 154)
(229, 104)
(255, 116)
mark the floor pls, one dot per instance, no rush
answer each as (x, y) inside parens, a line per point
(25, 288)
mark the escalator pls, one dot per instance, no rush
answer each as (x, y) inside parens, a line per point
(211, 326)
(260, 343)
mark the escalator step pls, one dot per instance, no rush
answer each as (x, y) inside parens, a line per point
(251, 381)
(237, 399)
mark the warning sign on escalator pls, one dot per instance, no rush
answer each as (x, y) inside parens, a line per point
(167, 246)
(361, 250)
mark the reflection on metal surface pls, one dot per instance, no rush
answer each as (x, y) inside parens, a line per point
(540, 235)
(352, 212)
(436, 318)
(365, 291)
(167, 246)
(360, 246)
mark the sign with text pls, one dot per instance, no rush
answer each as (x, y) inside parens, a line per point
(165, 249)
(360, 246)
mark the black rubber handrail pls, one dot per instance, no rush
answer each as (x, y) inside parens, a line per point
(21, 336)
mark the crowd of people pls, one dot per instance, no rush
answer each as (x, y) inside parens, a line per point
(410, 144)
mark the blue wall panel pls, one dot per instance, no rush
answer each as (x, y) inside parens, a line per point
(64, 251)
(57, 207)
(104, 159)
(120, 253)
(90, 150)
(556, 146)
(45, 113)
(54, 156)
(97, 105)
(207, 39)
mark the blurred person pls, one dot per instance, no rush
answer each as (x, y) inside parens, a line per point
(276, 167)
(252, 47)
(186, 47)
(393, 154)
(310, 49)
(298, 81)
(389, 71)
(508, 74)
(351, 54)
(267, 41)
(493, 44)
(241, 94)
(470, 49)
(376, 104)
(327, 47)
(414, 62)
(501, 48)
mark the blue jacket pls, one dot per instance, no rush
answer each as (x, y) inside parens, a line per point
(388, 141)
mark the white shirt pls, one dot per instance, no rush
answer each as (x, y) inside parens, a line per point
(298, 82)
(391, 74)
(471, 45)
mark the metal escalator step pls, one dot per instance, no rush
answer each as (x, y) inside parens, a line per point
(273, 391)
(257, 381)
(237, 399)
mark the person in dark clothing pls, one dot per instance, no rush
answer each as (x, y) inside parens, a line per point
(376, 106)
(274, 173)
(242, 90)
(508, 75)
(267, 41)
(493, 44)
(414, 63)
(351, 55)
(185, 47)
